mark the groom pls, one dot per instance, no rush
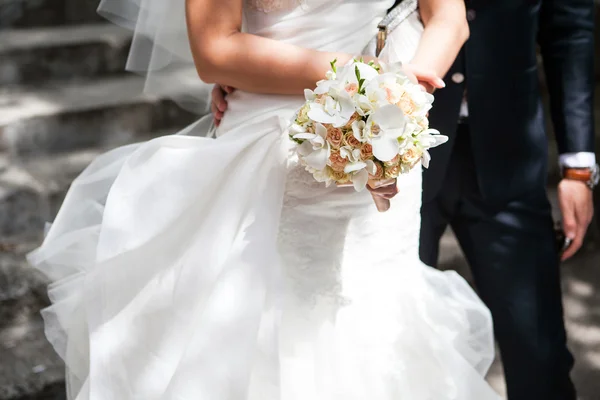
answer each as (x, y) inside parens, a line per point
(489, 182)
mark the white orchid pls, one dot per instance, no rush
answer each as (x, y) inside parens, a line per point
(427, 140)
(351, 75)
(353, 157)
(321, 175)
(359, 131)
(358, 169)
(309, 95)
(336, 111)
(385, 126)
(314, 149)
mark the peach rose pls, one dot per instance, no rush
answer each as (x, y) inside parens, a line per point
(392, 172)
(351, 88)
(411, 156)
(337, 162)
(334, 136)
(407, 105)
(366, 152)
(378, 172)
(350, 140)
(390, 96)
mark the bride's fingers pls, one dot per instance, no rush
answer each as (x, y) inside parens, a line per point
(428, 76)
(385, 196)
(218, 98)
(431, 79)
(228, 89)
(387, 192)
(427, 87)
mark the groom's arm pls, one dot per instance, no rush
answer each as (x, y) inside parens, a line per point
(566, 38)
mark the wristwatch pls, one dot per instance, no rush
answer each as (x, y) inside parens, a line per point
(590, 176)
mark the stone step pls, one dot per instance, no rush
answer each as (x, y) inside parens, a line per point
(32, 189)
(34, 56)
(65, 117)
(30, 369)
(36, 13)
(30, 194)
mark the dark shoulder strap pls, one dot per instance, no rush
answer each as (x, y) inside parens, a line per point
(395, 4)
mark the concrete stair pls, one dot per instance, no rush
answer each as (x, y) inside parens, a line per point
(66, 116)
(36, 55)
(64, 99)
(35, 13)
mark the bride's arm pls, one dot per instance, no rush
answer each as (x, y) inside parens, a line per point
(251, 63)
(446, 30)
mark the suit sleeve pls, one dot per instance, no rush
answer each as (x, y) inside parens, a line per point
(566, 39)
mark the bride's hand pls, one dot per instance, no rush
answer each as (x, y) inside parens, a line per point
(385, 189)
(218, 104)
(427, 78)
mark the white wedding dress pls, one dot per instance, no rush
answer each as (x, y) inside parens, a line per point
(194, 268)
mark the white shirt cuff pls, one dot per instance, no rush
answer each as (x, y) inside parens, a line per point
(577, 160)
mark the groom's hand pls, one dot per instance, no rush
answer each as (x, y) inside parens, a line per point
(576, 205)
(218, 104)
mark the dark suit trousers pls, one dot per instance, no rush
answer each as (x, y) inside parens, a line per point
(512, 253)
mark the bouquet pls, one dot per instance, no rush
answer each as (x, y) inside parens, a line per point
(365, 123)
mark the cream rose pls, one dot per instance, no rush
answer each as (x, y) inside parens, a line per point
(392, 172)
(393, 161)
(411, 156)
(340, 176)
(303, 115)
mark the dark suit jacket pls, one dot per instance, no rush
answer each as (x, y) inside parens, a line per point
(506, 121)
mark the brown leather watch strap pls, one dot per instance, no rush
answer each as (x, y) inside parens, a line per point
(578, 174)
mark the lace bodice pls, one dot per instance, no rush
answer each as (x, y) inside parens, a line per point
(335, 226)
(269, 6)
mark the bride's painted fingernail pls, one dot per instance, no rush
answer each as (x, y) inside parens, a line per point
(441, 83)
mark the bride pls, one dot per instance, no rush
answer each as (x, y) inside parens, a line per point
(195, 268)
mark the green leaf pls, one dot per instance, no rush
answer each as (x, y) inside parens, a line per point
(333, 67)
